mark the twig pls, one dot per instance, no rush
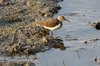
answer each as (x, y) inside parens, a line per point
(22, 34)
(13, 38)
(78, 54)
(63, 63)
(92, 40)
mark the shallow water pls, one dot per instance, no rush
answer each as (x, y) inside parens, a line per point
(79, 12)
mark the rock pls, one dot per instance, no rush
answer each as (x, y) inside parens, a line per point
(17, 38)
(28, 3)
(1, 17)
(97, 26)
(1, 1)
(93, 24)
(91, 40)
(20, 12)
(70, 38)
(28, 40)
(17, 63)
(97, 59)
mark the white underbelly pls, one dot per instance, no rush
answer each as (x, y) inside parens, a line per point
(53, 28)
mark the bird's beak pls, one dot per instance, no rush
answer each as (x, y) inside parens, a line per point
(67, 20)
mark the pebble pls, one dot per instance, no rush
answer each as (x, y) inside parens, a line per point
(1, 1)
(97, 26)
(28, 3)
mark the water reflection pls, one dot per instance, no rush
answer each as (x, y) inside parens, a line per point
(79, 12)
(58, 44)
(70, 38)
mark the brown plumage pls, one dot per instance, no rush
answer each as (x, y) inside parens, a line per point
(51, 23)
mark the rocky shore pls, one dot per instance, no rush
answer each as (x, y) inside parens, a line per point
(27, 10)
(19, 39)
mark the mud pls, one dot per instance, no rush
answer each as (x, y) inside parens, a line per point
(17, 38)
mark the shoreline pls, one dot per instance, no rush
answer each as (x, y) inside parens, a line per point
(18, 40)
(27, 11)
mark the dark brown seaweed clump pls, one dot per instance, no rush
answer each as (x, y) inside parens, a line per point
(13, 11)
(17, 38)
(97, 26)
(27, 40)
(20, 63)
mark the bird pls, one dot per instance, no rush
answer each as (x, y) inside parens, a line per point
(52, 23)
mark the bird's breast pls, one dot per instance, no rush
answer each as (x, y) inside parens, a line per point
(54, 28)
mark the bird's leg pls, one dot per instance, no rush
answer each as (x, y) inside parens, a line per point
(51, 33)
(47, 31)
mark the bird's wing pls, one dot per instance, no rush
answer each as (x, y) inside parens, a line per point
(50, 22)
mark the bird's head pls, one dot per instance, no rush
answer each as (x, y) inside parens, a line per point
(62, 18)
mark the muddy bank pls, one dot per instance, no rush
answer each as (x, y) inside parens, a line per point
(17, 38)
(12, 11)
(26, 41)
(16, 64)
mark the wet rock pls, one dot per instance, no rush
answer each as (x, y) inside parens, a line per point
(0, 17)
(57, 43)
(55, 1)
(17, 38)
(20, 63)
(91, 40)
(27, 40)
(58, 7)
(28, 3)
(96, 25)
(21, 10)
(93, 24)
(13, 18)
(70, 38)
(97, 59)
(2, 1)
(25, 11)
(47, 14)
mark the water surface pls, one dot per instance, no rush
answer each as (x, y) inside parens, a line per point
(79, 12)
